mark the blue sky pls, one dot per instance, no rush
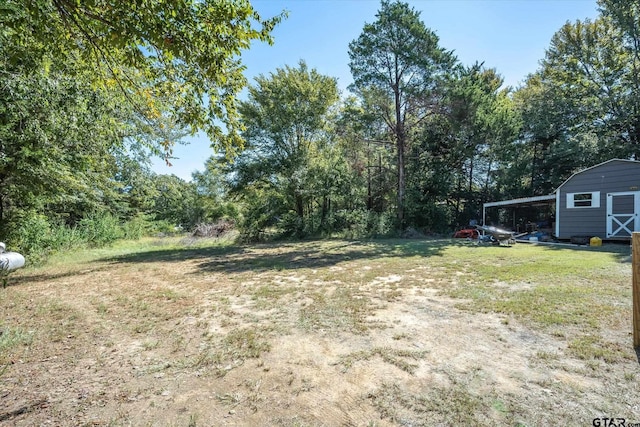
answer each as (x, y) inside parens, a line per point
(509, 35)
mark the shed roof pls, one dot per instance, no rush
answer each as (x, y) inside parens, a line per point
(523, 201)
(593, 167)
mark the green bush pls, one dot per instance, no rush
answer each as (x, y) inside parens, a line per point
(137, 227)
(64, 238)
(36, 237)
(30, 234)
(100, 229)
(163, 226)
(359, 223)
(292, 225)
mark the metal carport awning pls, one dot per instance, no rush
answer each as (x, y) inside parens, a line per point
(523, 201)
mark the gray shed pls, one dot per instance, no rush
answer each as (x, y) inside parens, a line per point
(602, 201)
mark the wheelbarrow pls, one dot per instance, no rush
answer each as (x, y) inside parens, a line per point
(495, 236)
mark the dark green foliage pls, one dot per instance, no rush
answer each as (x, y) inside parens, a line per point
(57, 142)
(583, 106)
(399, 68)
(100, 229)
(290, 169)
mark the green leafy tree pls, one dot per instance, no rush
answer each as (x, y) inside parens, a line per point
(588, 69)
(363, 139)
(622, 51)
(397, 60)
(179, 55)
(553, 143)
(175, 201)
(135, 182)
(212, 193)
(57, 143)
(481, 119)
(286, 118)
(582, 107)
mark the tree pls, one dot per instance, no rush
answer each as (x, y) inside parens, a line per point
(587, 66)
(57, 143)
(135, 182)
(175, 201)
(554, 142)
(180, 55)
(211, 189)
(625, 17)
(461, 142)
(285, 118)
(399, 60)
(582, 107)
(363, 139)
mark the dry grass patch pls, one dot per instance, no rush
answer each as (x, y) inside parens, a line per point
(337, 310)
(390, 332)
(395, 357)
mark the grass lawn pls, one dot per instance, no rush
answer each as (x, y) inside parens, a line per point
(320, 333)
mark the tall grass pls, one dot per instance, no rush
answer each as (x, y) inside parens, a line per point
(37, 237)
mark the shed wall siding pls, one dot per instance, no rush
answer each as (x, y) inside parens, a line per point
(611, 177)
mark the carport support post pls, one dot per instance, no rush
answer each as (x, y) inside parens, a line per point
(635, 247)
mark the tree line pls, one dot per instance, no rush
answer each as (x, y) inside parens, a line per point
(89, 91)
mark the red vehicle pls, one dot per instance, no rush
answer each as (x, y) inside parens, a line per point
(467, 233)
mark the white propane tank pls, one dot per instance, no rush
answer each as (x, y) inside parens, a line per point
(10, 261)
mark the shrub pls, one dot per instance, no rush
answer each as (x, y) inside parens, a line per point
(64, 238)
(100, 229)
(30, 234)
(163, 227)
(361, 223)
(137, 227)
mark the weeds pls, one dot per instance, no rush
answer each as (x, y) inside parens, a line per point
(162, 309)
(394, 357)
(590, 347)
(231, 351)
(10, 340)
(453, 405)
(342, 310)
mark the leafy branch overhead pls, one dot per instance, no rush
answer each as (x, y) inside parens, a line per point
(177, 57)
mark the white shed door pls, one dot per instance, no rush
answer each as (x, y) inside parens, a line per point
(623, 213)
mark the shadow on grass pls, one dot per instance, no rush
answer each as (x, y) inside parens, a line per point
(621, 250)
(289, 255)
(34, 277)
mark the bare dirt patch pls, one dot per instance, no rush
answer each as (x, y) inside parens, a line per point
(305, 334)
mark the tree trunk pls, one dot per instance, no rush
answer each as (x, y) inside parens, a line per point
(486, 182)
(458, 197)
(400, 145)
(325, 208)
(300, 206)
(401, 182)
(534, 165)
(470, 178)
(369, 194)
